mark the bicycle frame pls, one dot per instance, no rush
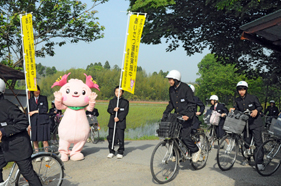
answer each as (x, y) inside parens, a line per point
(6, 182)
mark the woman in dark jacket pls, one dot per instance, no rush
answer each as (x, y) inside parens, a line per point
(220, 108)
(40, 123)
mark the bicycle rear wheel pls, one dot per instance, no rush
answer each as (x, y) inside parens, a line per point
(94, 134)
(162, 166)
(202, 143)
(226, 155)
(271, 157)
(49, 169)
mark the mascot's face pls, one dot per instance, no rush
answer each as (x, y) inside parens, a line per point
(75, 93)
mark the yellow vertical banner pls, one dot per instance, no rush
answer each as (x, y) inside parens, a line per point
(132, 49)
(29, 52)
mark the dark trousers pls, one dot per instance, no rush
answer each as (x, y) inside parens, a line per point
(186, 139)
(26, 169)
(219, 131)
(256, 133)
(120, 138)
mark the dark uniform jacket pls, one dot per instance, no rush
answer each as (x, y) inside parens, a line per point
(95, 112)
(122, 112)
(250, 102)
(15, 144)
(220, 109)
(181, 99)
(273, 111)
(42, 117)
(196, 123)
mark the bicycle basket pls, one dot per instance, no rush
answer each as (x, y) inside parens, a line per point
(207, 116)
(275, 127)
(235, 122)
(168, 130)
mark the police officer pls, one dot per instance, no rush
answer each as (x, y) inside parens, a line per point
(15, 143)
(272, 109)
(181, 99)
(242, 103)
(196, 123)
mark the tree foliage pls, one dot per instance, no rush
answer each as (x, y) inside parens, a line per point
(148, 87)
(213, 24)
(221, 80)
(69, 20)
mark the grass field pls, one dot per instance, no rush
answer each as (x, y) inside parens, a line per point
(140, 113)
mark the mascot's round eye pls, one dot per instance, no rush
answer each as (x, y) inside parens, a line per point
(83, 92)
(67, 91)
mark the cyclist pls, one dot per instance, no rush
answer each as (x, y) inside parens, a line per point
(196, 123)
(14, 140)
(272, 109)
(242, 103)
(220, 108)
(181, 99)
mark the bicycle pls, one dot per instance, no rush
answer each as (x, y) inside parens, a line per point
(227, 154)
(162, 165)
(210, 131)
(54, 130)
(271, 152)
(94, 135)
(50, 171)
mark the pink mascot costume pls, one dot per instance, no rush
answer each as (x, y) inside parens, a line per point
(74, 96)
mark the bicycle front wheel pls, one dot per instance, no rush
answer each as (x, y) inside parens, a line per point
(227, 152)
(202, 143)
(271, 157)
(163, 166)
(210, 136)
(49, 169)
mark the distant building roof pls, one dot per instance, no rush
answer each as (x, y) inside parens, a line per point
(9, 73)
(265, 31)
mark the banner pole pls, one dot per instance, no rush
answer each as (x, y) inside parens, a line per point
(25, 72)
(120, 80)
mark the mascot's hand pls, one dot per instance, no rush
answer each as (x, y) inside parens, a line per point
(93, 97)
(58, 96)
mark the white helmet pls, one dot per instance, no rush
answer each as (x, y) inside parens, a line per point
(174, 74)
(192, 87)
(242, 84)
(2, 86)
(214, 97)
(272, 101)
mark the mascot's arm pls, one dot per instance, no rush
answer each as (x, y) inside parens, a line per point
(92, 102)
(58, 101)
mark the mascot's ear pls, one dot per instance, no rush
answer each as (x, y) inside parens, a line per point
(90, 83)
(61, 81)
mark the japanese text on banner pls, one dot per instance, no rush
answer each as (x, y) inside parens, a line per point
(29, 58)
(132, 48)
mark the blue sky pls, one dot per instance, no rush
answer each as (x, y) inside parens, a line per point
(152, 58)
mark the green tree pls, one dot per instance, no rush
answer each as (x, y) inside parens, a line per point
(196, 25)
(51, 71)
(40, 69)
(52, 20)
(106, 65)
(221, 80)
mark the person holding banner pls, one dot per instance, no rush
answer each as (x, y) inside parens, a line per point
(14, 140)
(181, 99)
(122, 111)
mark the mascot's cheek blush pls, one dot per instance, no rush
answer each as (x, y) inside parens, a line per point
(86, 99)
(64, 98)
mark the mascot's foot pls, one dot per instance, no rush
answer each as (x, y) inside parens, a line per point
(64, 157)
(77, 157)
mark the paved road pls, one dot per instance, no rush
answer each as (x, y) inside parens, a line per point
(134, 169)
